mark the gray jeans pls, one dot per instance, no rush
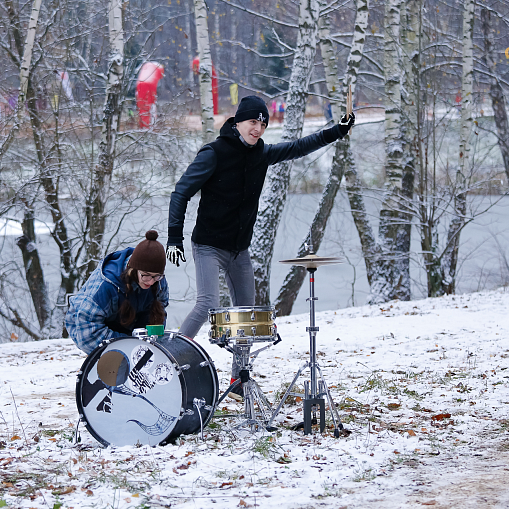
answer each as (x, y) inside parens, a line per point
(239, 277)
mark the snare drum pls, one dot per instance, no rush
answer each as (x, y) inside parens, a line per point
(136, 391)
(256, 323)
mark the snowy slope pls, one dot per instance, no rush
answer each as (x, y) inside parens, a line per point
(422, 386)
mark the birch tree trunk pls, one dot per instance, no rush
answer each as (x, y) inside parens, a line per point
(276, 188)
(202, 39)
(391, 279)
(24, 74)
(101, 178)
(496, 92)
(450, 255)
(342, 157)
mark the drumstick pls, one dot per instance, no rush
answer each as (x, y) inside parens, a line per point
(349, 104)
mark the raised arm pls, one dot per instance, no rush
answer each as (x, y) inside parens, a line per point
(308, 144)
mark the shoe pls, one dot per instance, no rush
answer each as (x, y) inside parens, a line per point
(236, 393)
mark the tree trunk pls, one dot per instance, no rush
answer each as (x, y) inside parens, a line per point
(101, 178)
(496, 92)
(33, 271)
(274, 195)
(33, 268)
(24, 74)
(450, 255)
(294, 279)
(392, 275)
(202, 38)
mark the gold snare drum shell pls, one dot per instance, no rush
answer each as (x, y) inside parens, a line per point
(243, 322)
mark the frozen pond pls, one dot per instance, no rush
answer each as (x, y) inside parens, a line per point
(483, 253)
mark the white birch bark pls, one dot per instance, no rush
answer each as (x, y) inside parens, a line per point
(393, 76)
(202, 39)
(466, 88)
(23, 75)
(274, 195)
(27, 54)
(391, 279)
(110, 125)
(342, 158)
(450, 256)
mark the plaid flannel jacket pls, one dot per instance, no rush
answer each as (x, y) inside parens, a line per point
(96, 304)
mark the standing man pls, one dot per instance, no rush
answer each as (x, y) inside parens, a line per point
(230, 173)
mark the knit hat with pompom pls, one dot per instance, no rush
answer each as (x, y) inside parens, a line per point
(149, 254)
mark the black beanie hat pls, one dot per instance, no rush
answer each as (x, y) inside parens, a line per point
(252, 107)
(149, 255)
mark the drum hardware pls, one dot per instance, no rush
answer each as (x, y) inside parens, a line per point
(315, 389)
(229, 325)
(252, 392)
(199, 403)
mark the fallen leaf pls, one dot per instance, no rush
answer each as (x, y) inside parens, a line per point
(430, 502)
(440, 417)
(226, 484)
(411, 432)
(15, 437)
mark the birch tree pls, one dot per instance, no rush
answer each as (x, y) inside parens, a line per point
(110, 125)
(24, 70)
(202, 38)
(276, 188)
(392, 279)
(450, 255)
(342, 157)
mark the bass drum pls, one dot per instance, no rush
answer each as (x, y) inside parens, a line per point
(136, 391)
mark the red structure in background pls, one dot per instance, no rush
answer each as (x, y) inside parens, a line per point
(146, 91)
(196, 70)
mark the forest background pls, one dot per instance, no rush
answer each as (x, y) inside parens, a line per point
(429, 157)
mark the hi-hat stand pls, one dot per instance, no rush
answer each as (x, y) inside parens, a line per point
(316, 388)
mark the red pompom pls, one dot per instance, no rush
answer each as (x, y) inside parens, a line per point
(151, 235)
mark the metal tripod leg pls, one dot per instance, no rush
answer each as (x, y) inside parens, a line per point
(332, 407)
(287, 393)
(253, 394)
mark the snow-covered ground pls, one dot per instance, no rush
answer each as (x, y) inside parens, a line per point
(422, 386)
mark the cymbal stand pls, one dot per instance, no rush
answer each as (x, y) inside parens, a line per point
(314, 390)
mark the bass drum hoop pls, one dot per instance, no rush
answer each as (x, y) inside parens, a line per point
(184, 419)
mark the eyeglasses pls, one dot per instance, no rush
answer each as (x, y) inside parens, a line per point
(147, 277)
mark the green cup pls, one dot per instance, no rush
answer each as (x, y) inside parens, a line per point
(155, 330)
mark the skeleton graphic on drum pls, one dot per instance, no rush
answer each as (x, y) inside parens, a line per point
(133, 391)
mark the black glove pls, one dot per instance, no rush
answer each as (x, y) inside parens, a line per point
(346, 123)
(175, 254)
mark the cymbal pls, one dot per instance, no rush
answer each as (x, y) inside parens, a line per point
(313, 261)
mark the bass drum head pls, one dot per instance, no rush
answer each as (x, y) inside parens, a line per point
(133, 391)
(129, 392)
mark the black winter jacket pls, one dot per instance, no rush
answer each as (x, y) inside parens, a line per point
(230, 176)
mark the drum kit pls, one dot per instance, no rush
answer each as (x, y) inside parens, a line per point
(150, 389)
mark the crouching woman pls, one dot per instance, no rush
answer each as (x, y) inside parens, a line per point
(128, 290)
